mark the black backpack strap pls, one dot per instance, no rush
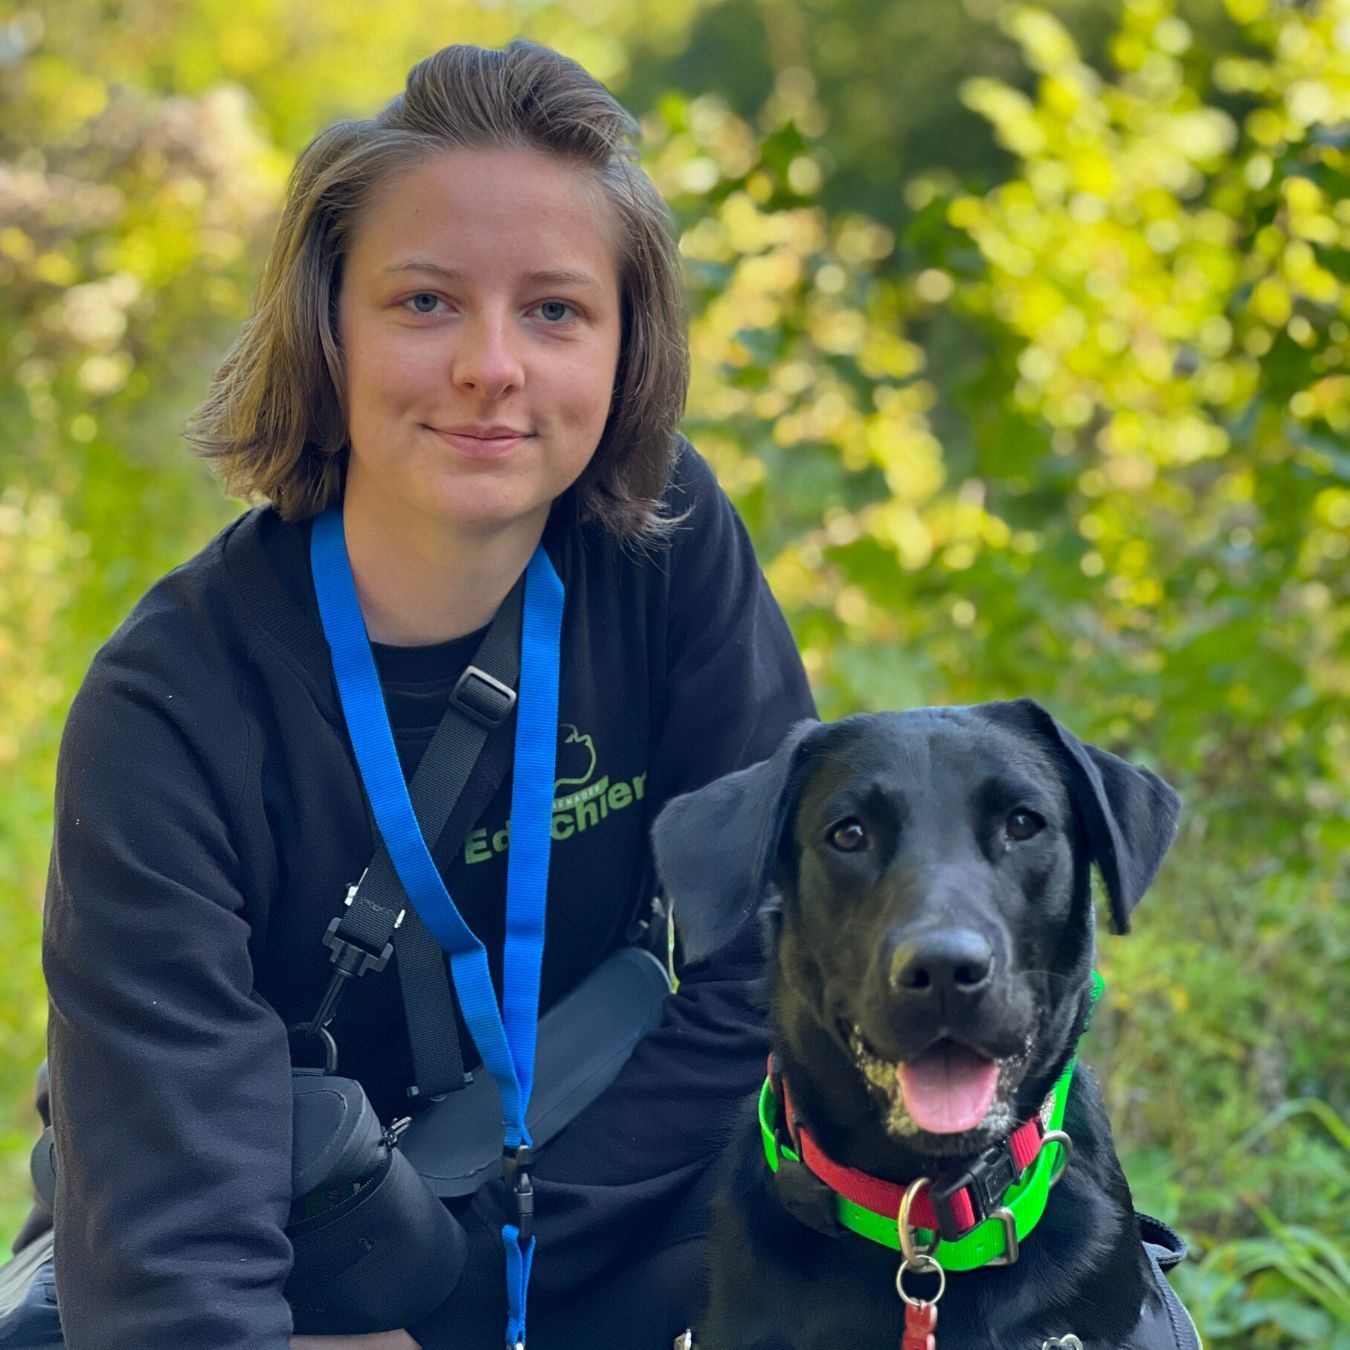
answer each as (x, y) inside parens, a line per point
(377, 919)
(1169, 1245)
(430, 1007)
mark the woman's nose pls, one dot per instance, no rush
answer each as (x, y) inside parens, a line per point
(487, 358)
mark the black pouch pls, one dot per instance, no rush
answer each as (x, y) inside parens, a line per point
(386, 1257)
(374, 1249)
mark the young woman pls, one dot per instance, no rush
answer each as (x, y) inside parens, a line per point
(469, 344)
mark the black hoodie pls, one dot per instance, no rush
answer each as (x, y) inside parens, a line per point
(209, 818)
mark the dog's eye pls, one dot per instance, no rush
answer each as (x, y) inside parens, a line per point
(848, 836)
(1023, 824)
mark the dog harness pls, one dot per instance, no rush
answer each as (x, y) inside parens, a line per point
(977, 1215)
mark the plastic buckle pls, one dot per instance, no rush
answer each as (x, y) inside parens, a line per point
(350, 957)
(803, 1194)
(808, 1199)
(985, 1181)
(483, 697)
(517, 1166)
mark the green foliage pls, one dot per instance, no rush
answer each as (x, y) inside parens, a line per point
(1125, 485)
(1058, 410)
(1081, 436)
(1295, 1278)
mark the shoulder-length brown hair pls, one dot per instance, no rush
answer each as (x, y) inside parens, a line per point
(274, 424)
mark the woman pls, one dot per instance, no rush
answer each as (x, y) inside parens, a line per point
(469, 342)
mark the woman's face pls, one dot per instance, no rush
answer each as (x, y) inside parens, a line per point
(479, 317)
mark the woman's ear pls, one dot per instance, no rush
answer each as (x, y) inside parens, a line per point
(715, 847)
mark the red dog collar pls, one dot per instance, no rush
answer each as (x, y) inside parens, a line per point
(954, 1205)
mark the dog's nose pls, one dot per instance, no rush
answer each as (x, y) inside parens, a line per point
(947, 961)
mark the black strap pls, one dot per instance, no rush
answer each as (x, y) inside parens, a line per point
(376, 919)
(1171, 1246)
(482, 700)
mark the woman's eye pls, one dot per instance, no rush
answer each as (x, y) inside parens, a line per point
(1022, 824)
(549, 309)
(418, 307)
(848, 836)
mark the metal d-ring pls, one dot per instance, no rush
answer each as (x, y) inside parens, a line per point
(1065, 1152)
(911, 1251)
(921, 1265)
(323, 1036)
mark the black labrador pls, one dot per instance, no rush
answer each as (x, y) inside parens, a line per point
(924, 882)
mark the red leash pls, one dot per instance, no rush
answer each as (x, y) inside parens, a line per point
(920, 1324)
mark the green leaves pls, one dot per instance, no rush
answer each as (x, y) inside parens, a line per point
(1105, 466)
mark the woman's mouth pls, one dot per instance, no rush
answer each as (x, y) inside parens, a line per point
(480, 447)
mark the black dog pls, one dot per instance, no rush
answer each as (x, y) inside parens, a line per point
(931, 942)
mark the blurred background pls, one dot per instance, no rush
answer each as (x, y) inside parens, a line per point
(1020, 339)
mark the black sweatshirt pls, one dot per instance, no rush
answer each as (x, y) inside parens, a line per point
(209, 817)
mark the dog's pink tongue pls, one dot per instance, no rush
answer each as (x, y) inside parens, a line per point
(948, 1088)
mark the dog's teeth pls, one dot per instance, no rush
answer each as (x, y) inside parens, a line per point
(875, 1070)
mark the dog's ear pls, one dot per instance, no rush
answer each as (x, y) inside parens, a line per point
(715, 847)
(1129, 814)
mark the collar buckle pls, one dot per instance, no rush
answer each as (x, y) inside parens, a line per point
(985, 1182)
(808, 1199)
(803, 1194)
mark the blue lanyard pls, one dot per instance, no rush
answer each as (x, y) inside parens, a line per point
(505, 1040)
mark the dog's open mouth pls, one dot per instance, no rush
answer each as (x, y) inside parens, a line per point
(946, 1089)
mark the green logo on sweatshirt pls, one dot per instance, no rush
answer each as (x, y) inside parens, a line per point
(581, 800)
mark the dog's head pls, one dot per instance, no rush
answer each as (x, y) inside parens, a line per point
(931, 922)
